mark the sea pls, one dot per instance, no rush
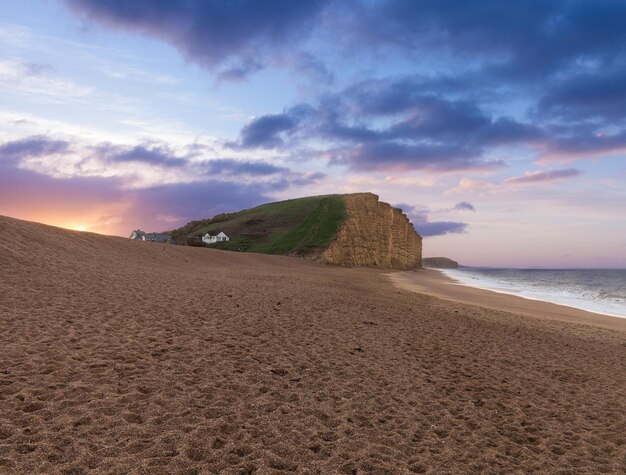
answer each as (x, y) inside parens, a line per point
(595, 290)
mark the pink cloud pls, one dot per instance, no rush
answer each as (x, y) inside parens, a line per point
(540, 176)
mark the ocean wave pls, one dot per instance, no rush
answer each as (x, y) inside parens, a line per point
(598, 291)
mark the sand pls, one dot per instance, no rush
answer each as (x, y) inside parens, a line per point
(132, 357)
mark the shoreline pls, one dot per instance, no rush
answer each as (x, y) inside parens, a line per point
(526, 297)
(437, 284)
(244, 363)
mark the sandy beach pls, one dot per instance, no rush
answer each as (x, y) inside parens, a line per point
(132, 357)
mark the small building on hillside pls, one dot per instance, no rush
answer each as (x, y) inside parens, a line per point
(209, 238)
(137, 235)
(157, 237)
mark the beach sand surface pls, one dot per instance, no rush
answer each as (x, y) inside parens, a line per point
(132, 357)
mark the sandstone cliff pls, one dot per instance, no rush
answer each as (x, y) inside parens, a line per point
(374, 235)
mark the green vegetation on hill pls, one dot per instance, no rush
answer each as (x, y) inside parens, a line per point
(298, 226)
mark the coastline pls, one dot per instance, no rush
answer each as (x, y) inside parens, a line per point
(242, 363)
(437, 284)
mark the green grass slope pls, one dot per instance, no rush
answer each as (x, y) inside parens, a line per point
(300, 226)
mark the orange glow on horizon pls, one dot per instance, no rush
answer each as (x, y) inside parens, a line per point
(76, 227)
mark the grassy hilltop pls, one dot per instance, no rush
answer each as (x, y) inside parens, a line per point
(299, 226)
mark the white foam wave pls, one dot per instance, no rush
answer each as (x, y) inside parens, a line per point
(573, 293)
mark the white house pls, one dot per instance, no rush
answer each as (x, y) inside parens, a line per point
(211, 239)
(137, 235)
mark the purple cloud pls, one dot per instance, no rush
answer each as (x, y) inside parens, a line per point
(283, 176)
(241, 35)
(219, 185)
(464, 205)
(153, 154)
(581, 142)
(426, 228)
(398, 156)
(599, 94)
(439, 228)
(33, 146)
(518, 40)
(265, 131)
(236, 167)
(542, 176)
(36, 196)
(424, 131)
(435, 118)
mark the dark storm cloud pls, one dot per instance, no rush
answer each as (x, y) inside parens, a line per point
(211, 32)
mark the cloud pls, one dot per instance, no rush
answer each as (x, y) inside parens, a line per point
(193, 188)
(283, 176)
(447, 112)
(542, 176)
(33, 146)
(464, 205)
(152, 154)
(599, 95)
(582, 142)
(426, 228)
(108, 205)
(393, 156)
(440, 228)
(423, 132)
(264, 132)
(239, 37)
(515, 40)
(237, 167)
(199, 199)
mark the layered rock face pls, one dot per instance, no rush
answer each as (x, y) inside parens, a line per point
(374, 235)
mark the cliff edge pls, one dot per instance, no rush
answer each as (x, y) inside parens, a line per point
(345, 230)
(374, 234)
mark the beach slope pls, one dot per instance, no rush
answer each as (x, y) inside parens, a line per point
(135, 357)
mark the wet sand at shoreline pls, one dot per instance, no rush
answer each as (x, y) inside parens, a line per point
(131, 357)
(437, 284)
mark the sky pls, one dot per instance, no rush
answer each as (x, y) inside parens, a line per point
(498, 127)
